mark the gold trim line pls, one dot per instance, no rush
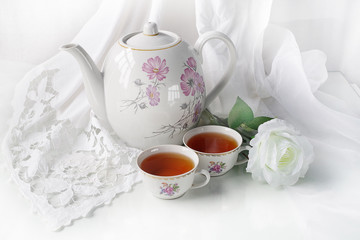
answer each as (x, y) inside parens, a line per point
(217, 154)
(151, 34)
(137, 49)
(169, 177)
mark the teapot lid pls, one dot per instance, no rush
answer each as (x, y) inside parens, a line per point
(150, 39)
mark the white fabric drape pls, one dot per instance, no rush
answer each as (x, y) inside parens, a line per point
(244, 22)
(290, 85)
(274, 77)
(286, 90)
(328, 26)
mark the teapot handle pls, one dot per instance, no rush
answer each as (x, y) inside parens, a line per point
(231, 66)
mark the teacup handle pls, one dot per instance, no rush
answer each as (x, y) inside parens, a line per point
(243, 148)
(231, 66)
(206, 181)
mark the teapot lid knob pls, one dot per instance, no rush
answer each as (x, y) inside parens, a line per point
(150, 28)
(150, 39)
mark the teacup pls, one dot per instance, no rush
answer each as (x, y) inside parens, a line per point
(223, 155)
(169, 170)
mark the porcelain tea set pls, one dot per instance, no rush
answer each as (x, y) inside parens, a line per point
(151, 89)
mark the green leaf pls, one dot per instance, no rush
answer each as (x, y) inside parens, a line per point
(240, 113)
(256, 122)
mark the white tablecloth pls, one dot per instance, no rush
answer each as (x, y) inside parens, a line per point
(230, 207)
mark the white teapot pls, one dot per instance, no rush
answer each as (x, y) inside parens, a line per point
(152, 89)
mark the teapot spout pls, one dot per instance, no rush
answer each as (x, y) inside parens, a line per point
(93, 79)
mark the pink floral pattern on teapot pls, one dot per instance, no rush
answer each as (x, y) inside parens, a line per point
(191, 83)
(156, 70)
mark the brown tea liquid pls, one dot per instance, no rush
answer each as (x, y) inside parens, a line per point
(167, 164)
(212, 142)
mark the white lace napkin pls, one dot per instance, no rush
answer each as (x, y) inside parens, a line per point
(63, 159)
(65, 166)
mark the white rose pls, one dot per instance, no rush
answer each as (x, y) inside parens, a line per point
(279, 154)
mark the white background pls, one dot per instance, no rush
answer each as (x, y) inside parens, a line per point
(32, 31)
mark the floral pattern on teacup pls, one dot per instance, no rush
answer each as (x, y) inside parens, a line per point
(216, 167)
(169, 189)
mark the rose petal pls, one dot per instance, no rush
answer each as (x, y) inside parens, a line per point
(279, 154)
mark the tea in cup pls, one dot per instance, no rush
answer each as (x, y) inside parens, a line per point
(169, 170)
(218, 148)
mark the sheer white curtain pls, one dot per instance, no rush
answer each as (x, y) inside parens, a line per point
(272, 73)
(330, 26)
(277, 77)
